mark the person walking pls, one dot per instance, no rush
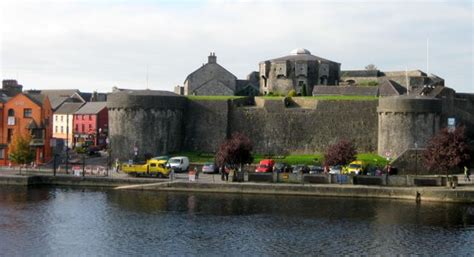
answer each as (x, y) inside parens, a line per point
(222, 171)
(467, 174)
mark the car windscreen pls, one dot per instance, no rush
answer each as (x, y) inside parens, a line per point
(174, 161)
(354, 166)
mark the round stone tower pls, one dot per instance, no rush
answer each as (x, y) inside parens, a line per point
(145, 121)
(406, 122)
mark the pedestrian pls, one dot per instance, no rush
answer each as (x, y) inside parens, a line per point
(196, 172)
(467, 173)
(226, 173)
(221, 170)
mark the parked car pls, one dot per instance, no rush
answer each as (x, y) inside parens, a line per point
(210, 167)
(356, 167)
(265, 165)
(280, 167)
(315, 169)
(336, 169)
(301, 168)
(179, 163)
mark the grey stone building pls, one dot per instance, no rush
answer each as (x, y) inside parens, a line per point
(213, 79)
(295, 71)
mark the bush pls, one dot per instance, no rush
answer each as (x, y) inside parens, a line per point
(80, 149)
(340, 153)
(292, 93)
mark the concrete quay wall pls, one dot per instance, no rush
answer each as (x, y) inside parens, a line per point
(439, 194)
(359, 191)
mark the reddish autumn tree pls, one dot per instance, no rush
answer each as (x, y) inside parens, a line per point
(235, 151)
(447, 150)
(340, 153)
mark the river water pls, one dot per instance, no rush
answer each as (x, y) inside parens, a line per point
(45, 221)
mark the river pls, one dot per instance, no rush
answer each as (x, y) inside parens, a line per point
(48, 221)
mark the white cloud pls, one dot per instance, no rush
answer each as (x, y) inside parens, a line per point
(96, 45)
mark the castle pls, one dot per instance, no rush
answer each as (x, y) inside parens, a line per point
(410, 108)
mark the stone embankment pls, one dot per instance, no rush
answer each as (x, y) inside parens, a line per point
(462, 194)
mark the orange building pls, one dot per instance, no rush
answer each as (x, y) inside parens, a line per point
(27, 113)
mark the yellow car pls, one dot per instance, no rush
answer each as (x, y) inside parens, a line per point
(355, 167)
(151, 167)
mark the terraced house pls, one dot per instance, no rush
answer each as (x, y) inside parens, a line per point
(25, 114)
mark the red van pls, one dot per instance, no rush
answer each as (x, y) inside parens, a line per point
(265, 165)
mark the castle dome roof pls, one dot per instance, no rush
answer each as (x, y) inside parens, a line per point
(298, 51)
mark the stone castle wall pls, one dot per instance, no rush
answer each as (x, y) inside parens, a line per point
(163, 123)
(277, 129)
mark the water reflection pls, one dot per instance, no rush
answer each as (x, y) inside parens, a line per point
(64, 221)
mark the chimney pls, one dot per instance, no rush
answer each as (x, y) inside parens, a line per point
(212, 58)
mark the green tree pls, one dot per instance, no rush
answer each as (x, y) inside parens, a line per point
(20, 150)
(303, 90)
(292, 93)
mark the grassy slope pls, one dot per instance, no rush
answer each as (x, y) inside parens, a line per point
(309, 159)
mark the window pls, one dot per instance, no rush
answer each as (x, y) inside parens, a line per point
(62, 129)
(83, 128)
(27, 113)
(90, 117)
(77, 128)
(90, 126)
(82, 116)
(11, 112)
(56, 117)
(9, 135)
(56, 129)
(61, 118)
(2, 153)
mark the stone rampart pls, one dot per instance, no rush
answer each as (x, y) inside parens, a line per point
(206, 125)
(275, 129)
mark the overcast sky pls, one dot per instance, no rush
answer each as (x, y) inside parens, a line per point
(95, 45)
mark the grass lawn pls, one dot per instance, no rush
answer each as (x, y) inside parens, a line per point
(345, 97)
(213, 97)
(308, 159)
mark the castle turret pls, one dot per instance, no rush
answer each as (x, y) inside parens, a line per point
(406, 122)
(145, 121)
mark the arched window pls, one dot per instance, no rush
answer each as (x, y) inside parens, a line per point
(11, 112)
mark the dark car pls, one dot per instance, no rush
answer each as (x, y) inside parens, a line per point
(280, 167)
(315, 169)
(300, 168)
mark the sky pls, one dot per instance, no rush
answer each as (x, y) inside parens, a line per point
(99, 44)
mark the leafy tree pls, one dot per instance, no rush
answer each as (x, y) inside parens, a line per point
(447, 150)
(340, 153)
(371, 67)
(20, 150)
(235, 151)
(292, 93)
(303, 90)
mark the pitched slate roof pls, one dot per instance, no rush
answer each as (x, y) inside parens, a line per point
(91, 108)
(36, 98)
(68, 108)
(59, 96)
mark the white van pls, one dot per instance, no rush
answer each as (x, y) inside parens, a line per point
(179, 163)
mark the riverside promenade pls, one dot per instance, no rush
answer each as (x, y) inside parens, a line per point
(463, 193)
